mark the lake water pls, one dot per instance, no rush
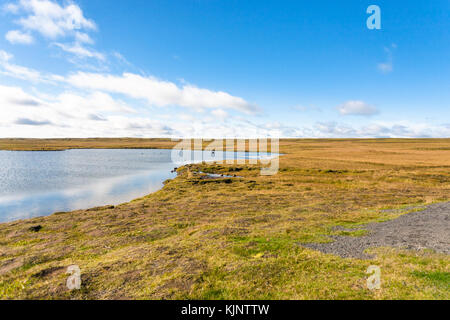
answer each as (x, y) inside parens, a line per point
(40, 183)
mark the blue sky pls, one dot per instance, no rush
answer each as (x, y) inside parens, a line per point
(210, 68)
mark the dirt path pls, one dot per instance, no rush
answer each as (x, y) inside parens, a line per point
(429, 229)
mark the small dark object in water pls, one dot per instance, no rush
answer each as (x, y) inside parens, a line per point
(35, 229)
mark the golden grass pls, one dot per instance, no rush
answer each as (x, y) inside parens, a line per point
(93, 143)
(238, 238)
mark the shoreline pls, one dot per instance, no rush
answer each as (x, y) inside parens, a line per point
(211, 176)
(112, 206)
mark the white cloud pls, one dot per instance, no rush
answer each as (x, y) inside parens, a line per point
(5, 56)
(219, 114)
(156, 92)
(80, 51)
(16, 96)
(97, 114)
(75, 105)
(22, 72)
(16, 71)
(67, 114)
(333, 129)
(50, 19)
(160, 93)
(53, 21)
(404, 129)
(81, 37)
(15, 104)
(18, 37)
(358, 108)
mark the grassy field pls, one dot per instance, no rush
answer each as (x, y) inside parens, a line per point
(238, 238)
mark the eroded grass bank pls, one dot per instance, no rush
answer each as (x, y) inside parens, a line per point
(241, 238)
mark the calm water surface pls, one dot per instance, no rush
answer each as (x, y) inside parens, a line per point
(40, 183)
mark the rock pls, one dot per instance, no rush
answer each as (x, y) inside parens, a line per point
(35, 228)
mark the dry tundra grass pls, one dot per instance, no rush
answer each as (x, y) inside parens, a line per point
(238, 238)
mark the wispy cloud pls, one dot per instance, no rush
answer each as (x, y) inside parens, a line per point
(20, 72)
(357, 108)
(81, 52)
(16, 71)
(81, 37)
(388, 65)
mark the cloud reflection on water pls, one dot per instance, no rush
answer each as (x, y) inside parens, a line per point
(35, 184)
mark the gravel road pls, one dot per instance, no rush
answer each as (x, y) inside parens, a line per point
(429, 229)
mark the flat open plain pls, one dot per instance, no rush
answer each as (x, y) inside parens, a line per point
(251, 237)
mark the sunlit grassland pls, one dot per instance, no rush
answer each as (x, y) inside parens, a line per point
(239, 238)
